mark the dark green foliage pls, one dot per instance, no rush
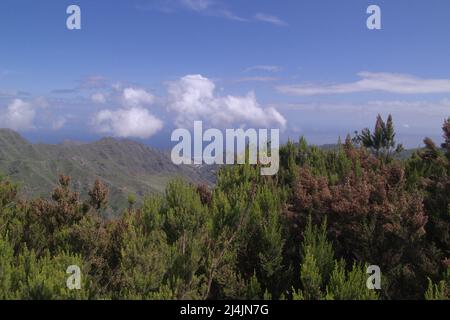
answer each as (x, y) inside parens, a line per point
(323, 277)
(307, 233)
(382, 140)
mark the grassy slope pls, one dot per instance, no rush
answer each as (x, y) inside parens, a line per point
(125, 166)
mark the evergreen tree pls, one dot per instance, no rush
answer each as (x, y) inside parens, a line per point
(382, 140)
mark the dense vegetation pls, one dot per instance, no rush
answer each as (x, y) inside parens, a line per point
(125, 166)
(307, 233)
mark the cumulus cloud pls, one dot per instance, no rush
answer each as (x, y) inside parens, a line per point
(270, 19)
(193, 98)
(19, 115)
(137, 97)
(36, 113)
(133, 122)
(387, 82)
(132, 119)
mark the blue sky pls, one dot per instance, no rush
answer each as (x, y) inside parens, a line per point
(139, 69)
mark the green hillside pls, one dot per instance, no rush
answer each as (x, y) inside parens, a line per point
(125, 166)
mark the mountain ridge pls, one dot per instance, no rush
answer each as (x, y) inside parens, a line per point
(126, 166)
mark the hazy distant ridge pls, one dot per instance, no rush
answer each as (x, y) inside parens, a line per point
(125, 166)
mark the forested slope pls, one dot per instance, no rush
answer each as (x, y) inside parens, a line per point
(307, 233)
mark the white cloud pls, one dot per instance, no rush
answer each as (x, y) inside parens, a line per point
(270, 19)
(99, 98)
(134, 122)
(193, 98)
(37, 113)
(355, 116)
(19, 115)
(387, 82)
(439, 108)
(210, 8)
(132, 119)
(137, 97)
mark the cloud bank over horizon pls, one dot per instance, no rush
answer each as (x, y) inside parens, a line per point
(130, 111)
(373, 81)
